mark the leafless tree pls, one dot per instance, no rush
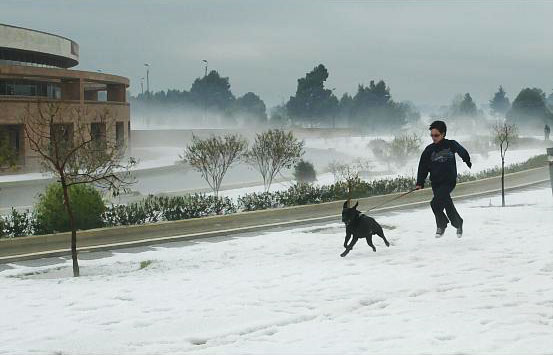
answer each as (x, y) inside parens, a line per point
(397, 152)
(403, 148)
(504, 134)
(272, 151)
(213, 156)
(76, 153)
(349, 172)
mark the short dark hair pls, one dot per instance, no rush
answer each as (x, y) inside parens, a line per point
(440, 126)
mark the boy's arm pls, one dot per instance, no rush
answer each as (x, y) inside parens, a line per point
(423, 169)
(462, 153)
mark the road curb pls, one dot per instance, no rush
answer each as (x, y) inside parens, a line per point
(237, 230)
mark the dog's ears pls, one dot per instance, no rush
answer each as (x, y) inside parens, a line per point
(356, 204)
(346, 204)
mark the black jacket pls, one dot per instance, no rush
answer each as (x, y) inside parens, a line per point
(439, 160)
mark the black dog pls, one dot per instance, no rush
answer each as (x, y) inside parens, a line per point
(360, 226)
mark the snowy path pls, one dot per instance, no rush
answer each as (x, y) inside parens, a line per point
(289, 291)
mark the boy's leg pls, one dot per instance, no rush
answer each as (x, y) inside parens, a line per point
(438, 205)
(450, 209)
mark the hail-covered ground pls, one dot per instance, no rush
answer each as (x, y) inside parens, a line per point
(288, 291)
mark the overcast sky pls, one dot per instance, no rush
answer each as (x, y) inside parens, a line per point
(426, 51)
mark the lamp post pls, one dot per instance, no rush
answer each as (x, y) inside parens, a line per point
(205, 93)
(205, 63)
(550, 159)
(147, 77)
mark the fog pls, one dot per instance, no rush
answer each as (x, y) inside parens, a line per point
(427, 51)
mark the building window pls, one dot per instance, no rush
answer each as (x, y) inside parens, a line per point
(120, 134)
(10, 136)
(62, 136)
(29, 88)
(98, 134)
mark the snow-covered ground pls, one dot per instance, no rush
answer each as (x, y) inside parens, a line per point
(289, 291)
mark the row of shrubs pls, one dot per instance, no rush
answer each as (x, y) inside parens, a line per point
(90, 212)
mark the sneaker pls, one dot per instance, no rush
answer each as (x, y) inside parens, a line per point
(460, 230)
(440, 232)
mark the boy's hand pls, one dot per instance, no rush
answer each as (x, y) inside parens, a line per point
(469, 164)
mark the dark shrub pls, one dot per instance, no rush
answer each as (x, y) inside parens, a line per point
(304, 172)
(86, 203)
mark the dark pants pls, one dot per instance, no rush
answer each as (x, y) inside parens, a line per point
(442, 200)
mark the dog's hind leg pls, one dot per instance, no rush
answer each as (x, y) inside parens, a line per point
(370, 242)
(380, 233)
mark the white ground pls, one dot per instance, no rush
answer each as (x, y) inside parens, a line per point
(289, 291)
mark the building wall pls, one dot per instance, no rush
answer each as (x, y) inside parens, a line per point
(12, 111)
(31, 61)
(35, 41)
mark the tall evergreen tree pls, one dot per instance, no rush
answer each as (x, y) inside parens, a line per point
(468, 107)
(529, 109)
(345, 111)
(500, 103)
(212, 92)
(374, 108)
(463, 106)
(250, 109)
(313, 103)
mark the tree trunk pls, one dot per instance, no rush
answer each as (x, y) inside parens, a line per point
(502, 182)
(76, 271)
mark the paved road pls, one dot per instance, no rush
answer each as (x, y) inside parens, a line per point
(123, 237)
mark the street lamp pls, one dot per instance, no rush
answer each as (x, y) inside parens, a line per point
(147, 77)
(205, 62)
(550, 159)
(205, 99)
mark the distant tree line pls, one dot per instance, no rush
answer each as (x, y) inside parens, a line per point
(209, 97)
(313, 105)
(371, 108)
(210, 100)
(531, 108)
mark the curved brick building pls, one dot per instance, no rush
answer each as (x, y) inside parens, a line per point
(34, 67)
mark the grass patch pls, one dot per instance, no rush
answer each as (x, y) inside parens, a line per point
(144, 264)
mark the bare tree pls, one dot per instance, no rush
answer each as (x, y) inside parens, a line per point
(349, 173)
(504, 134)
(272, 151)
(403, 148)
(73, 145)
(381, 150)
(213, 156)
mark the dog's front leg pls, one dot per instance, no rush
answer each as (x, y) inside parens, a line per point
(349, 247)
(346, 241)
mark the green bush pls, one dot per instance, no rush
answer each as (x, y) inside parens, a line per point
(165, 208)
(86, 203)
(90, 212)
(534, 162)
(304, 172)
(17, 224)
